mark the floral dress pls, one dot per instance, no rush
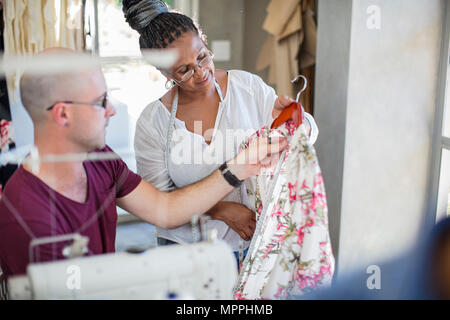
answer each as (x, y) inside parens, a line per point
(6, 144)
(290, 253)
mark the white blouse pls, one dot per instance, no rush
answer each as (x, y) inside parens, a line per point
(247, 107)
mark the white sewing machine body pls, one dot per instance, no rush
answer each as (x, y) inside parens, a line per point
(205, 270)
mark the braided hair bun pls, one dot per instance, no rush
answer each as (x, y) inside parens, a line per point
(157, 26)
(139, 13)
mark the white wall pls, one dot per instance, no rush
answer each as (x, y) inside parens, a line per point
(391, 75)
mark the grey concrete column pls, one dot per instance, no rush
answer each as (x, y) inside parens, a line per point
(330, 104)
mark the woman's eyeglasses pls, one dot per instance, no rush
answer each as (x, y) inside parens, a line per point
(202, 64)
(101, 103)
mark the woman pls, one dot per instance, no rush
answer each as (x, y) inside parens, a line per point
(185, 135)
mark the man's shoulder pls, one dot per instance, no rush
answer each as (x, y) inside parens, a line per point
(106, 161)
(19, 184)
(22, 198)
(103, 174)
(108, 167)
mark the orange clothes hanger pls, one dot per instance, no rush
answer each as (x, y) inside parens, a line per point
(294, 111)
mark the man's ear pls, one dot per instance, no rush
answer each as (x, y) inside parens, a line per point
(61, 114)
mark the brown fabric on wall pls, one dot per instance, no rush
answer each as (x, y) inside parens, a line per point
(290, 48)
(307, 97)
(279, 16)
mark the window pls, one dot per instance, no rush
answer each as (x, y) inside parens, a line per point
(443, 205)
(132, 85)
(439, 199)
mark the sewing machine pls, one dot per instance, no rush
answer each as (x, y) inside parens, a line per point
(204, 270)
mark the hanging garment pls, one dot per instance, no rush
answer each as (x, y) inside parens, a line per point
(290, 48)
(71, 26)
(50, 20)
(35, 28)
(281, 47)
(30, 27)
(290, 253)
(14, 33)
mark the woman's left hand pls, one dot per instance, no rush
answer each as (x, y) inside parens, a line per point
(237, 216)
(281, 103)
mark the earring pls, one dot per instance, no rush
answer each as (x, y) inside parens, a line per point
(170, 84)
(66, 124)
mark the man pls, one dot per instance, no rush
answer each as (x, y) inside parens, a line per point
(70, 113)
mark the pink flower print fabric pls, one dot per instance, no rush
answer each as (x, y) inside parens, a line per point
(290, 253)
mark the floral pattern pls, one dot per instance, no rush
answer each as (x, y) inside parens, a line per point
(290, 253)
(6, 135)
(6, 144)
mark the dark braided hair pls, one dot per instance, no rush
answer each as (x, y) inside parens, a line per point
(157, 26)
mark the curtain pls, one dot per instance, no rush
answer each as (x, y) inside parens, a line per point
(290, 253)
(32, 26)
(71, 26)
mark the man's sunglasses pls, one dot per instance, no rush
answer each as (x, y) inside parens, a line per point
(103, 103)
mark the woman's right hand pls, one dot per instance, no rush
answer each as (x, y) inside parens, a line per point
(237, 216)
(260, 153)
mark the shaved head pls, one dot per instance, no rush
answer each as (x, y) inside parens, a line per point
(39, 91)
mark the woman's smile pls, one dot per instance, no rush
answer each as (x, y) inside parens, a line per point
(205, 80)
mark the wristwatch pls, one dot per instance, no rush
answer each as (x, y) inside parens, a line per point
(229, 176)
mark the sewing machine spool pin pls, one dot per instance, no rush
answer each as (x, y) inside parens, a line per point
(78, 248)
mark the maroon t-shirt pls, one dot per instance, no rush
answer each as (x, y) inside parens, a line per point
(30, 209)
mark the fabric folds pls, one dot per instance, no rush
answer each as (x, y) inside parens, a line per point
(290, 253)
